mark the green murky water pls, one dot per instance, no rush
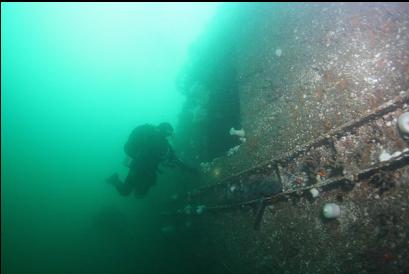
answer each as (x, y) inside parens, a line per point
(75, 80)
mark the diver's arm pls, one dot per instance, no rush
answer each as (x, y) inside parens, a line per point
(184, 166)
(174, 160)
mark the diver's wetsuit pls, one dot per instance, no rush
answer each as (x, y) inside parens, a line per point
(148, 148)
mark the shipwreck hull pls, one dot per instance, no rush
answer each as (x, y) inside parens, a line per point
(318, 89)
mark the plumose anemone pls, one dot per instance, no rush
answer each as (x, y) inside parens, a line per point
(403, 123)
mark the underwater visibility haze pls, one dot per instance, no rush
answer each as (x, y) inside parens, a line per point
(290, 145)
(76, 78)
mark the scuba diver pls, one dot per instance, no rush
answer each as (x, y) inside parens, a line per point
(146, 148)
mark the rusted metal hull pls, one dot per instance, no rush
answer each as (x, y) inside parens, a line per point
(320, 88)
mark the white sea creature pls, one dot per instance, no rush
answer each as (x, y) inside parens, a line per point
(205, 166)
(233, 150)
(331, 211)
(403, 123)
(200, 209)
(384, 156)
(237, 132)
(279, 52)
(314, 192)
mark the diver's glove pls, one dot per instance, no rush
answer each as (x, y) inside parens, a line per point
(174, 161)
